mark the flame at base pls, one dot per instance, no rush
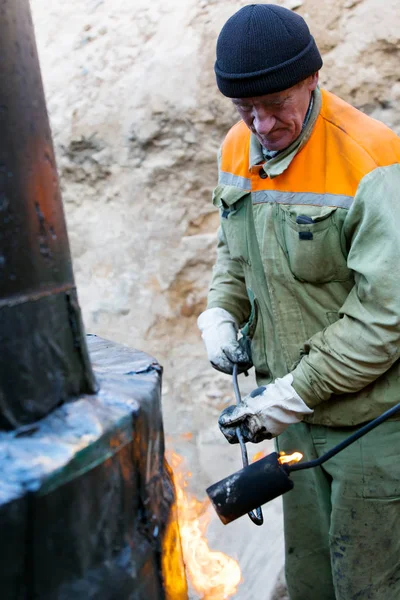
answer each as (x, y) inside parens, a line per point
(213, 574)
(173, 569)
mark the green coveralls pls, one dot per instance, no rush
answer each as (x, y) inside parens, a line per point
(336, 327)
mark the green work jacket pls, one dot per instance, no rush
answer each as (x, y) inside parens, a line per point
(308, 259)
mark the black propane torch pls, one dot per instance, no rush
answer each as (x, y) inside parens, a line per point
(267, 478)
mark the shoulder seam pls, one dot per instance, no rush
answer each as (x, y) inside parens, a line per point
(378, 169)
(351, 137)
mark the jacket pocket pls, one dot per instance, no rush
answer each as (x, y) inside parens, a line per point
(233, 204)
(312, 244)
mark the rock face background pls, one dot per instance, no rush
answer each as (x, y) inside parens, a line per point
(137, 122)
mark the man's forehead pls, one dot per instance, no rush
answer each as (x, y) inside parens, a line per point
(274, 98)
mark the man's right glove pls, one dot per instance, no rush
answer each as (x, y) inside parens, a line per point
(265, 413)
(220, 334)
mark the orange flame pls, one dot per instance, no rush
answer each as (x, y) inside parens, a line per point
(214, 575)
(290, 459)
(258, 455)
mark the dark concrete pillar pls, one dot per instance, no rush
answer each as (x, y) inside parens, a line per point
(43, 354)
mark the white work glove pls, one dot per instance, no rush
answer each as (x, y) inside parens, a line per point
(219, 331)
(265, 413)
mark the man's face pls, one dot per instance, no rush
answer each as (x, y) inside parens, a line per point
(276, 119)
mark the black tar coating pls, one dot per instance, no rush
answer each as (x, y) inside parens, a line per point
(84, 493)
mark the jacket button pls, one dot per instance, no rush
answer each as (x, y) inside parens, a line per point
(262, 174)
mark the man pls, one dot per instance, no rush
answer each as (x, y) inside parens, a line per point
(308, 268)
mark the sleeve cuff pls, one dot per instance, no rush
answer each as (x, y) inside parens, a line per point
(303, 388)
(230, 308)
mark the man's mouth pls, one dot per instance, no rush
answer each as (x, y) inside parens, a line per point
(272, 136)
(271, 141)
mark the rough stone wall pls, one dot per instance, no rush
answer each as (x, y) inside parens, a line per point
(137, 122)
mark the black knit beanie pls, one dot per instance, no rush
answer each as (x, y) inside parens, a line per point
(262, 49)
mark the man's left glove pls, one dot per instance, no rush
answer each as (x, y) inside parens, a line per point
(219, 331)
(265, 413)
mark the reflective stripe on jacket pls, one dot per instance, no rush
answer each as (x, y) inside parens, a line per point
(308, 259)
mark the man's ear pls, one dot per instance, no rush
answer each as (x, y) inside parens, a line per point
(313, 81)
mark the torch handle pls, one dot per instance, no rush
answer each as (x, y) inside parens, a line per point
(350, 440)
(255, 515)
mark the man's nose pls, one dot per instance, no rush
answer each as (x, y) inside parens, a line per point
(263, 122)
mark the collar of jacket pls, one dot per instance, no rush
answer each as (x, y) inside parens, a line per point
(277, 165)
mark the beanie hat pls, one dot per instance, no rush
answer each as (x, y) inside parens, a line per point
(262, 49)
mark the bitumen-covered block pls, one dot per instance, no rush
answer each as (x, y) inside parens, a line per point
(85, 496)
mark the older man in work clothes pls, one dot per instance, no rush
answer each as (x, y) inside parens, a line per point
(308, 269)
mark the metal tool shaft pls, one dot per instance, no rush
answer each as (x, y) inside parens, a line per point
(255, 515)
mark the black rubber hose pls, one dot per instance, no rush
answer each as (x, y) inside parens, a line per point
(350, 440)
